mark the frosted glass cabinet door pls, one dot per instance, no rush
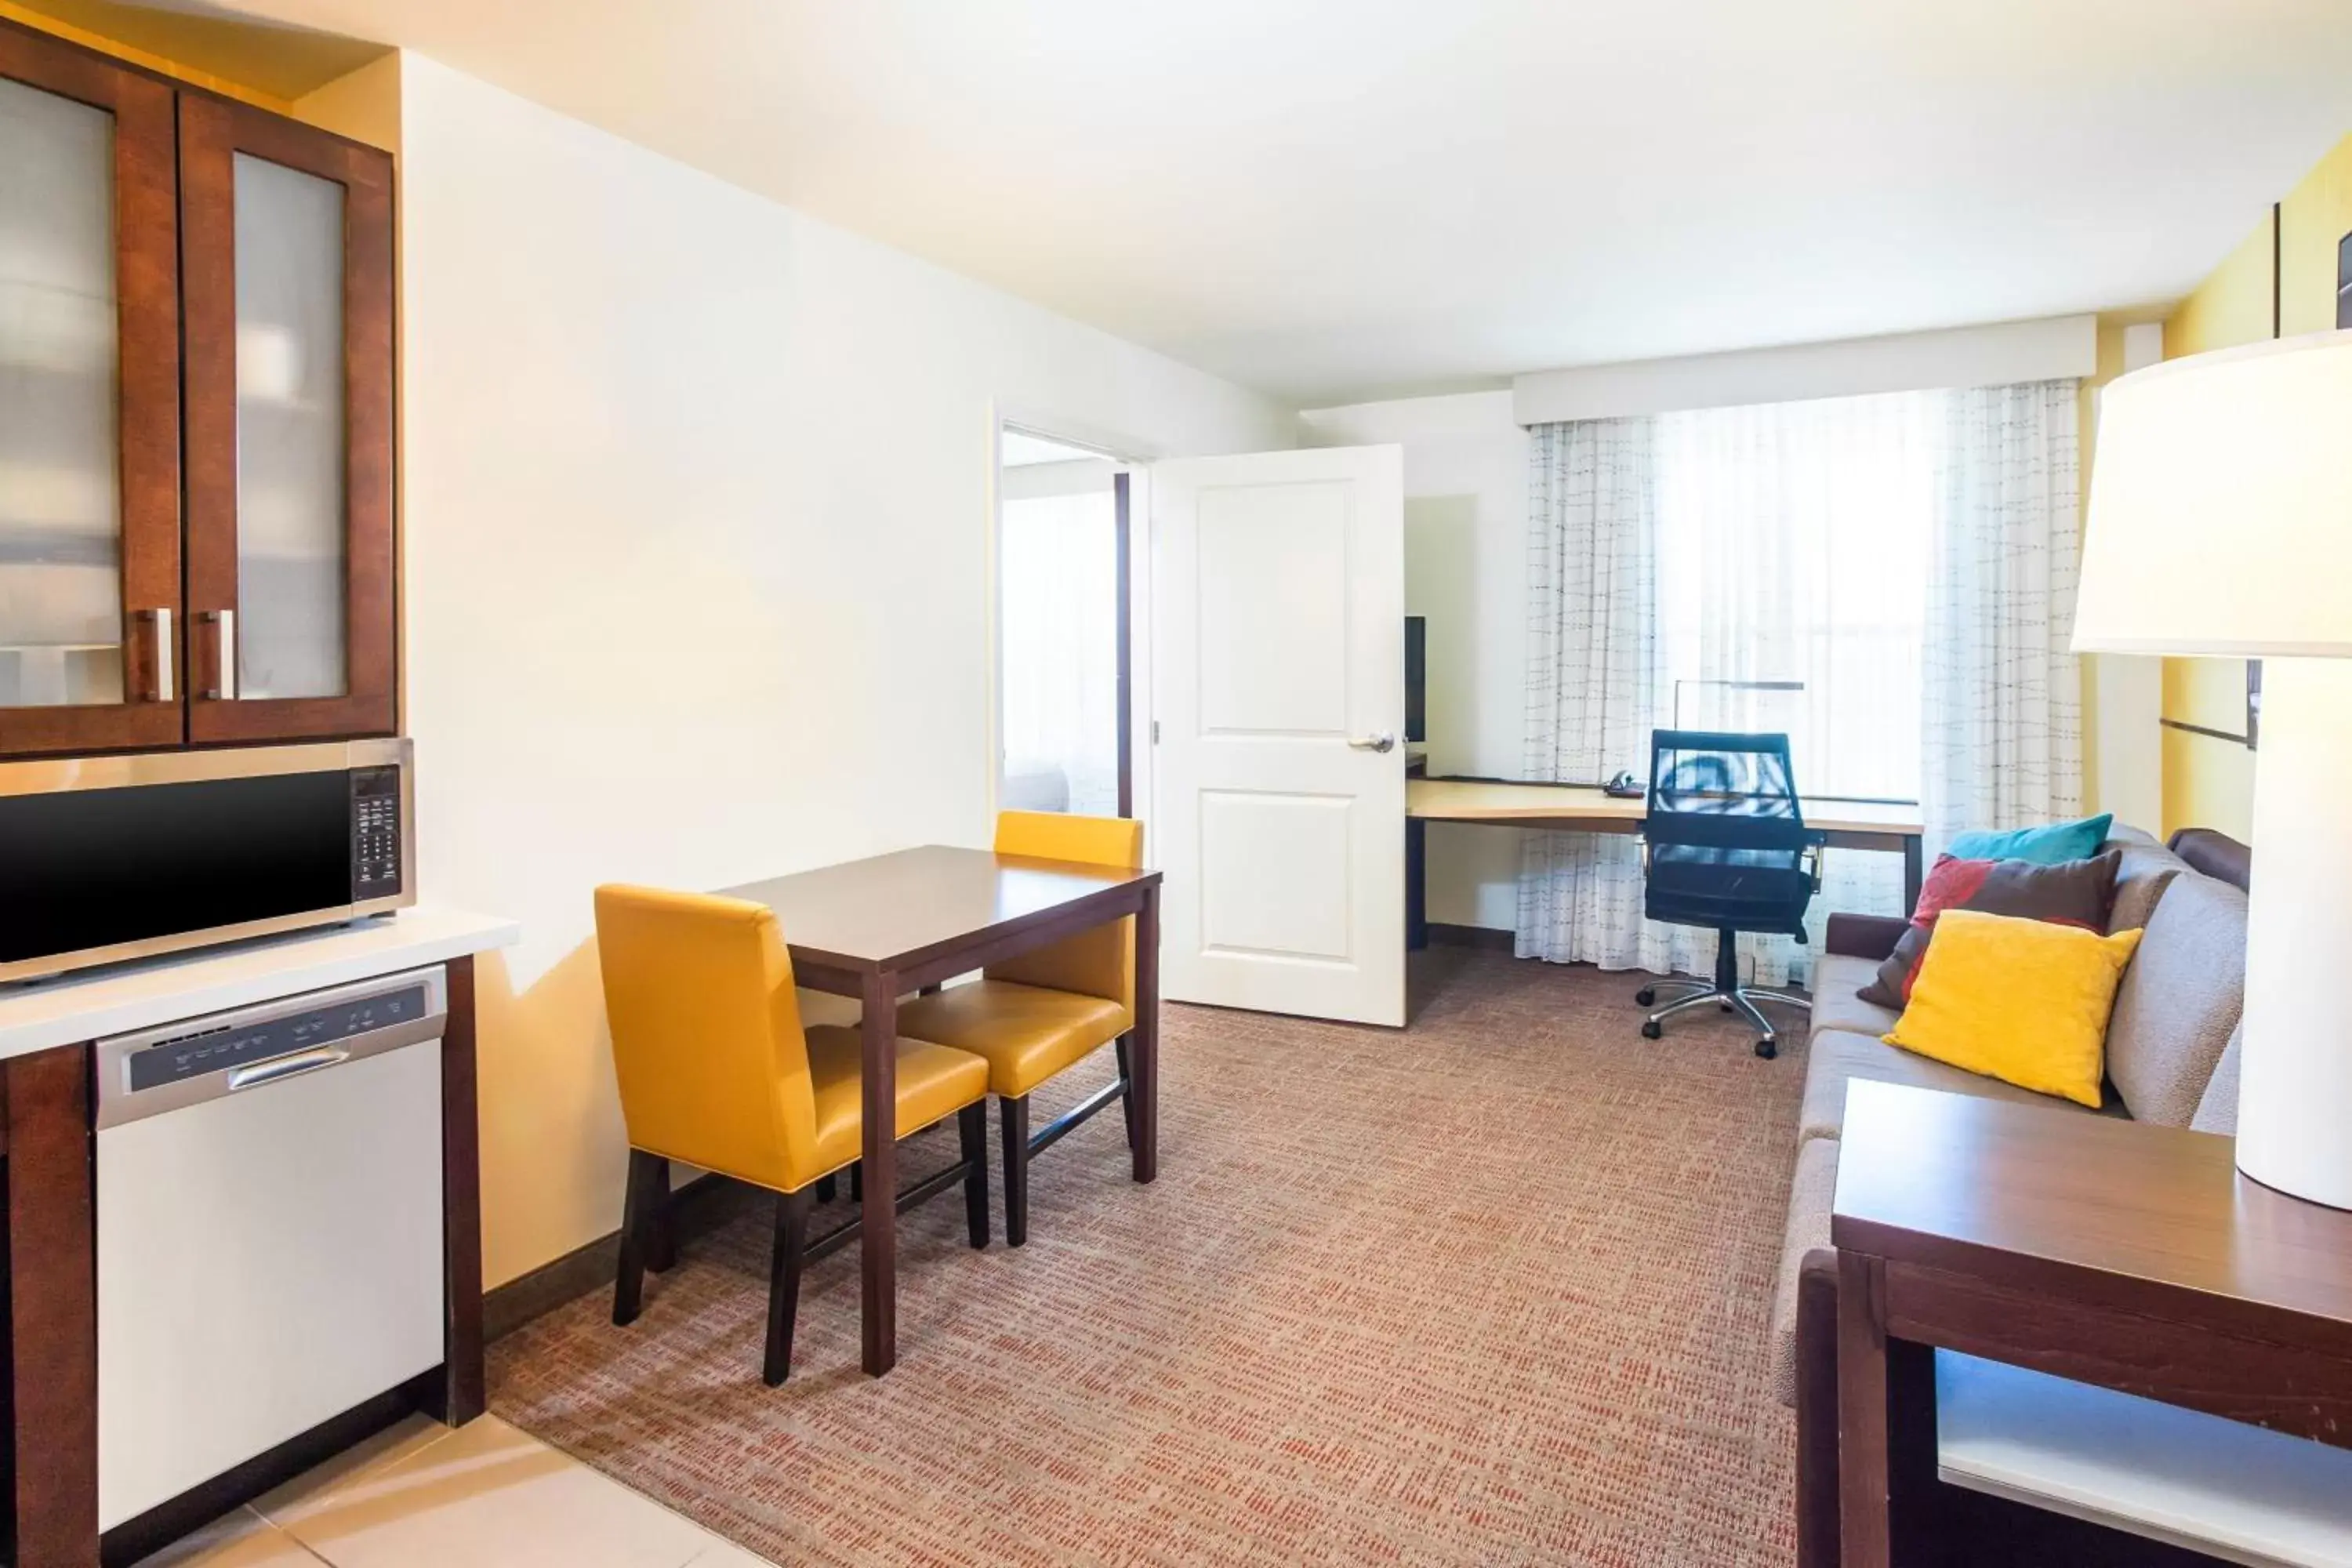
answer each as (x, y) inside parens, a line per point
(288, 637)
(288, 302)
(88, 451)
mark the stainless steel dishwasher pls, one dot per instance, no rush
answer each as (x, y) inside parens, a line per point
(270, 1227)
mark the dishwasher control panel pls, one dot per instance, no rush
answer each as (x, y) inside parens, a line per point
(231, 1046)
(186, 1063)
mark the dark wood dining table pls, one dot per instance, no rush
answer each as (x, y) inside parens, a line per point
(880, 928)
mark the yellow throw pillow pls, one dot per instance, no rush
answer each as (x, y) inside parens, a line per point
(2022, 1001)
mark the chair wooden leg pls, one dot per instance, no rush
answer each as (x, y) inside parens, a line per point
(784, 1281)
(1127, 1090)
(661, 1227)
(825, 1188)
(629, 1280)
(1015, 1117)
(971, 1131)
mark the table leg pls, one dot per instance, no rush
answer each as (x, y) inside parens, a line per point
(1416, 884)
(1865, 1539)
(1143, 1045)
(1913, 853)
(878, 1241)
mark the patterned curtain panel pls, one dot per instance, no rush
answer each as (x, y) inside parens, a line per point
(1900, 569)
(1596, 669)
(2002, 701)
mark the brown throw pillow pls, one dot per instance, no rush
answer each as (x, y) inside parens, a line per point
(2073, 892)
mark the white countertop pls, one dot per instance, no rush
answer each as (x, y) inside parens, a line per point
(2231, 1490)
(96, 1002)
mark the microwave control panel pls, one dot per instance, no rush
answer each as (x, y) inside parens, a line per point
(376, 847)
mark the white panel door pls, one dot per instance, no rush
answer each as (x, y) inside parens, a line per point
(1279, 692)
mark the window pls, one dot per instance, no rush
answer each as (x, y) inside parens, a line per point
(1793, 548)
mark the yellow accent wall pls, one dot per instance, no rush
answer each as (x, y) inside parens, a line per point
(2313, 218)
(2209, 782)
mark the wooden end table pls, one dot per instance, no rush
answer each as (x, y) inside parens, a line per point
(2108, 1252)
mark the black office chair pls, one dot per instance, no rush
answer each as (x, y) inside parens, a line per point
(1725, 846)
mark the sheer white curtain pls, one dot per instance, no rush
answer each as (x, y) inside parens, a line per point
(1059, 570)
(1906, 559)
(2003, 697)
(1596, 671)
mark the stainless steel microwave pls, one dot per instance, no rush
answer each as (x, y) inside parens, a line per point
(108, 858)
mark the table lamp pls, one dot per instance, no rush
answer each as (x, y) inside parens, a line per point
(2220, 523)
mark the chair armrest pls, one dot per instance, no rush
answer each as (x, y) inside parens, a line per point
(1818, 1544)
(1865, 936)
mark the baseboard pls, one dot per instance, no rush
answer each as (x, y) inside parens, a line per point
(1471, 936)
(696, 1209)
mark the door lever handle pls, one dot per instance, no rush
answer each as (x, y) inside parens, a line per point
(1383, 741)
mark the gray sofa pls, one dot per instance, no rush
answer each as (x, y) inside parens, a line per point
(2171, 1058)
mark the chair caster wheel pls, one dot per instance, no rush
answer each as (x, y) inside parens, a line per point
(1645, 996)
(1768, 1048)
(1650, 1030)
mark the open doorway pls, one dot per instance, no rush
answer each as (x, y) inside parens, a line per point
(1065, 718)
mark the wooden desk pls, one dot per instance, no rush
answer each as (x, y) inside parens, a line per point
(2107, 1252)
(1584, 808)
(879, 928)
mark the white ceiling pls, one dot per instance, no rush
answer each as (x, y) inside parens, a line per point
(1328, 198)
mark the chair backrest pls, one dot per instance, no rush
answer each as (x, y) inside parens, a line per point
(1723, 789)
(707, 1039)
(1096, 962)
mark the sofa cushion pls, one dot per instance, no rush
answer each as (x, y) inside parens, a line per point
(2047, 844)
(2072, 893)
(2179, 1000)
(1812, 1193)
(1837, 1003)
(2218, 1111)
(2024, 1001)
(1836, 1058)
(2146, 869)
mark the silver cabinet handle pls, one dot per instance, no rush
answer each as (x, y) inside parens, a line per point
(1383, 741)
(223, 623)
(160, 619)
(277, 1068)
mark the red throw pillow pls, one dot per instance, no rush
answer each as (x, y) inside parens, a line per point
(2073, 892)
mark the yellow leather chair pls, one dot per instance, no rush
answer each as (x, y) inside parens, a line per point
(715, 1070)
(1033, 1016)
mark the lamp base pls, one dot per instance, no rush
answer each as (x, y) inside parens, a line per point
(2294, 1090)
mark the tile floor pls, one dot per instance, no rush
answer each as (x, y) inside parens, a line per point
(486, 1496)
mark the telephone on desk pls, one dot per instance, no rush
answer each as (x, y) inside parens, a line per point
(1623, 785)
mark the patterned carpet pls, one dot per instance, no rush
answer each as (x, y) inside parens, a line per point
(1491, 1291)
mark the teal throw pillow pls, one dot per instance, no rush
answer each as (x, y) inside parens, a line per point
(2049, 845)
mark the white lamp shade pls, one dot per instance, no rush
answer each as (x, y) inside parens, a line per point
(2221, 516)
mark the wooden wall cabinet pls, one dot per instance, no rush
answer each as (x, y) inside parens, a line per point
(196, 535)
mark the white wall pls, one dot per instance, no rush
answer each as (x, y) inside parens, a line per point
(697, 546)
(1466, 485)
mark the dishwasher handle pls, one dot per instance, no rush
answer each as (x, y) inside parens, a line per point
(277, 1068)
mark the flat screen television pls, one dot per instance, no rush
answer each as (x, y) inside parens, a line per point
(1416, 680)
